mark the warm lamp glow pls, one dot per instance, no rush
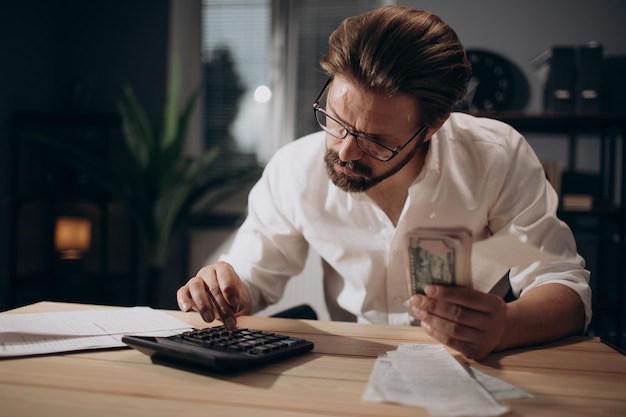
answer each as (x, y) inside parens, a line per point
(72, 236)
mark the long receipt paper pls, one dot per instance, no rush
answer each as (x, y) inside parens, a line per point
(39, 333)
(427, 376)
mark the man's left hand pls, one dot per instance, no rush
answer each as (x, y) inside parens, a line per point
(462, 318)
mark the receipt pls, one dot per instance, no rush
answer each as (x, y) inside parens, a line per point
(426, 375)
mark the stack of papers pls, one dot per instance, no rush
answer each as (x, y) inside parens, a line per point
(427, 376)
(40, 333)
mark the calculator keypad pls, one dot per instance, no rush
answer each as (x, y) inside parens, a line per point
(248, 341)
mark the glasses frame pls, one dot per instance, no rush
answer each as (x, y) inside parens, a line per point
(357, 136)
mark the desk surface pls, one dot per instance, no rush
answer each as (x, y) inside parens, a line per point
(577, 376)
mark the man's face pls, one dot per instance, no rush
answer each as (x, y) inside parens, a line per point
(389, 120)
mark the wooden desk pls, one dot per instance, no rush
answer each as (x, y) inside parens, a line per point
(578, 376)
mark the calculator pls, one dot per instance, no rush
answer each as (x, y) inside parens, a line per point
(217, 349)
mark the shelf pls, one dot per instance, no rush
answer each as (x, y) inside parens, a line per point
(600, 231)
(562, 123)
(594, 211)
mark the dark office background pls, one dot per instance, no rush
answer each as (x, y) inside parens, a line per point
(71, 56)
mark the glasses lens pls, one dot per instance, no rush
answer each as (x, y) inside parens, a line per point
(336, 129)
(330, 125)
(374, 149)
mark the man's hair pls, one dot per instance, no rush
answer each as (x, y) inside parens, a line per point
(399, 50)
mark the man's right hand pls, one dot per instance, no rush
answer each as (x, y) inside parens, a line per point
(215, 292)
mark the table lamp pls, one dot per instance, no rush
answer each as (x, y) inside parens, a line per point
(72, 236)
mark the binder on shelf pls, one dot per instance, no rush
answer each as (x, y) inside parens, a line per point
(560, 85)
(614, 84)
(589, 79)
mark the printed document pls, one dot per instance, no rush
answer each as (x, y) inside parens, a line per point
(40, 333)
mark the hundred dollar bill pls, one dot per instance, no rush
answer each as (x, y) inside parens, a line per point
(438, 256)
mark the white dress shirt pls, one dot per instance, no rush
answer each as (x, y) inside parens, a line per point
(479, 173)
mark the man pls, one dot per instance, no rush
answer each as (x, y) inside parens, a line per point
(397, 158)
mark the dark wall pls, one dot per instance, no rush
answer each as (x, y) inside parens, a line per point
(522, 30)
(60, 56)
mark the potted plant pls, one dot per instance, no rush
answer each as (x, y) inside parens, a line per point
(158, 184)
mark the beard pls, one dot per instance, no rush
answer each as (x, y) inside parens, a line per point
(361, 178)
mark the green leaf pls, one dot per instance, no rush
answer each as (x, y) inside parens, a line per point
(170, 116)
(174, 151)
(177, 196)
(136, 127)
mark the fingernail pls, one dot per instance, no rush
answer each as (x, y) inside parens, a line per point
(230, 323)
(184, 306)
(419, 313)
(207, 316)
(430, 290)
(425, 325)
(418, 300)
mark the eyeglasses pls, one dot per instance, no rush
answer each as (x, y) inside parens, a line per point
(367, 145)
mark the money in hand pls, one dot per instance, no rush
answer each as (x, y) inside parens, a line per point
(438, 256)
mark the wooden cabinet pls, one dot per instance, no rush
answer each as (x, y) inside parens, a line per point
(46, 187)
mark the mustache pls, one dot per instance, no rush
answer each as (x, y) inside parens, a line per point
(353, 166)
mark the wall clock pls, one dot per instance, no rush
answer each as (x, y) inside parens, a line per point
(497, 84)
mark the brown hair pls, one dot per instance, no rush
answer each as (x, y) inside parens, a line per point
(400, 50)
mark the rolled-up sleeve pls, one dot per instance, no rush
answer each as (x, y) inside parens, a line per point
(527, 206)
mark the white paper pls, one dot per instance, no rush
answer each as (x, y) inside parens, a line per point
(500, 390)
(38, 333)
(427, 376)
(90, 322)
